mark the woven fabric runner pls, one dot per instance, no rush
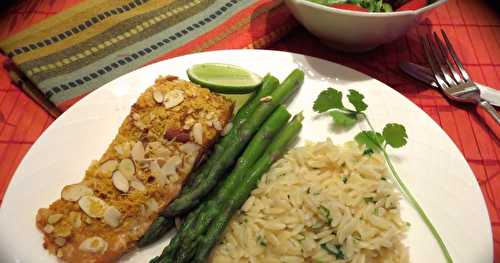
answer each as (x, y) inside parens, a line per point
(76, 51)
(473, 27)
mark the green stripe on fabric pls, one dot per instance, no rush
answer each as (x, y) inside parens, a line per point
(107, 36)
(83, 27)
(177, 36)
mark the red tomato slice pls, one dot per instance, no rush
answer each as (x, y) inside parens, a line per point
(352, 7)
(412, 5)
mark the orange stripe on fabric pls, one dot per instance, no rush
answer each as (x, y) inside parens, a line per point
(262, 32)
(243, 14)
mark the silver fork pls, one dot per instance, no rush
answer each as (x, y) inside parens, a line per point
(455, 85)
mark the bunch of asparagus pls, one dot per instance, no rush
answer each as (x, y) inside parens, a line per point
(260, 128)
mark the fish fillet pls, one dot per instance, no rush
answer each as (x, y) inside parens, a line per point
(172, 124)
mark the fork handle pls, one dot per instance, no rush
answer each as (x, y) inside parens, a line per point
(487, 106)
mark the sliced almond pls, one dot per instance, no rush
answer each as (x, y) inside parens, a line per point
(137, 184)
(120, 181)
(136, 116)
(153, 147)
(170, 167)
(75, 219)
(156, 171)
(52, 219)
(112, 216)
(94, 244)
(158, 96)
(127, 168)
(140, 125)
(62, 230)
(266, 99)
(173, 98)
(190, 148)
(60, 241)
(152, 205)
(93, 206)
(161, 179)
(48, 228)
(108, 166)
(197, 133)
(123, 149)
(227, 129)
(188, 122)
(217, 124)
(138, 151)
(74, 192)
(154, 167)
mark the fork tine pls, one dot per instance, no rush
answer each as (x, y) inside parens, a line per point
(437, 59)
(454, 55)
(453, 77)
(434, 66)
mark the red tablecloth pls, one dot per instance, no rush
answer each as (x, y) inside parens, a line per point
(471, 24)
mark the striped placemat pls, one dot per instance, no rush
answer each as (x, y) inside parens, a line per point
(76, 51)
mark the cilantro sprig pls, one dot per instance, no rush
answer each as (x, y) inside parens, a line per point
(393, 135)
(330, 100)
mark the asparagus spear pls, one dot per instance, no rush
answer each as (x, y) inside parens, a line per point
(238, 140)
(159, 228)
(162, 225)
(253, 151)
(170, 250)
(269, 83)
(273, 152)
(211, 207)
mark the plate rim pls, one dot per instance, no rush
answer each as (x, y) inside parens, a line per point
(97, 91)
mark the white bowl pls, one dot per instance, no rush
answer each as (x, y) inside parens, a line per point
(353, 31)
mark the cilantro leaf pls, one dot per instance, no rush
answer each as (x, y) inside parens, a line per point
(356, 99)
(371, 140)
(326, 213)
(345, 119)
(395, 135)
(328, 99)
(335, 250)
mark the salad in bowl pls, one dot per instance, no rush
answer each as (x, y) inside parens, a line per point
(375, 5)
(360, 25)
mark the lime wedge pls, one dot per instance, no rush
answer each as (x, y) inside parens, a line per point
(224, 78)
(238, 99)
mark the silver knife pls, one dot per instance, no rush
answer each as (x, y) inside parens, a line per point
(425, 75)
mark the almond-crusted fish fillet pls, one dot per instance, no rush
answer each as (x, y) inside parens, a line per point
(168, 129)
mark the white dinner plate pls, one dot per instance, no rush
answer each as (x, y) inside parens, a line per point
(430, 164)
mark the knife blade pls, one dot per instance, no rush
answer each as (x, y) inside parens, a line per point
(424, 74)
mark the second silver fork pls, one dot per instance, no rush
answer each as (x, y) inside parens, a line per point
(450, 75)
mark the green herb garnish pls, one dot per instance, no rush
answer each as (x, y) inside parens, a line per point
(331, 100)
(335, 250)
(261, 241)
(393, 134)
(369, 200)
(325, 213)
